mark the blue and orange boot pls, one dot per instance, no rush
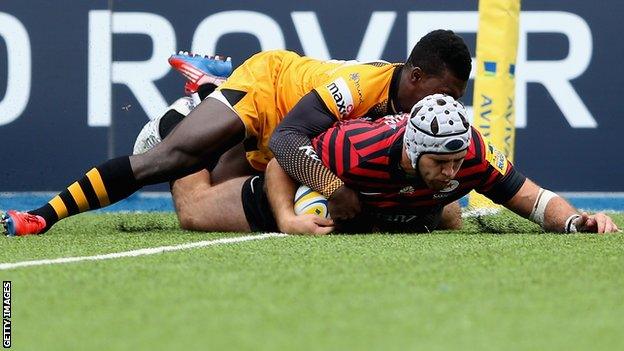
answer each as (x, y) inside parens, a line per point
(200, 70)
(22, 223)
(203, 74)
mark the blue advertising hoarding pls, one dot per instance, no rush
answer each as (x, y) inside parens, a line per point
(78, 79)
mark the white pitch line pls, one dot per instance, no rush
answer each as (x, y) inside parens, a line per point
(140, 252)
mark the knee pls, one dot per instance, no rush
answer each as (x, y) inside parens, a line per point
(193, 222)
(189, 218)
(187, 221)
(185, 210)
(161, 164)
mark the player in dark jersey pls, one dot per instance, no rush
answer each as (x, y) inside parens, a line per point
(368, 157)
(405, 168)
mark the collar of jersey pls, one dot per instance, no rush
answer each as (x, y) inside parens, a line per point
(393, 92)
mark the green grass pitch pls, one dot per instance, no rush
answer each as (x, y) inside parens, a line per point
(496, 285)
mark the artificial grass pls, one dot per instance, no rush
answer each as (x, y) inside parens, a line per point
(466, 290)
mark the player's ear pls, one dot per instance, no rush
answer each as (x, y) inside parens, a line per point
(416, 74)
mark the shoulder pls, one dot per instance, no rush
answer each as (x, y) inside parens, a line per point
(477, 147)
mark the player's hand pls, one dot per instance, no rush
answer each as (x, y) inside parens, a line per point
(598, 223)
(308, 224)
(344, 204)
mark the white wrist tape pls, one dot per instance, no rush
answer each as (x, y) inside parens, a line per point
(539, 207)
(570, 226)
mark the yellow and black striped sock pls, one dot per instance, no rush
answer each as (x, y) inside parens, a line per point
(101, 186)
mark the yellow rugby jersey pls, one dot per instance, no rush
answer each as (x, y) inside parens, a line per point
(269, 84)
(349, 89)
(361, 89)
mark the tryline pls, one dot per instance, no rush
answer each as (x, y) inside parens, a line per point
(140, 252)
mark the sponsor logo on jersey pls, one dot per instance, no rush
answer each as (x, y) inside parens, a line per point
(355, 77)
(396, 218)
(341, 94)
(497, 159)
(309, 151)
(408, 189)
(393, 120)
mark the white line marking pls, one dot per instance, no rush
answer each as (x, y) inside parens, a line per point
(140, 252)
(476, 212)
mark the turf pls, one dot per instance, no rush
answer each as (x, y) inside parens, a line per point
(469, 290)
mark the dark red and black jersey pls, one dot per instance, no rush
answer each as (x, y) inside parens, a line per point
(366, 155)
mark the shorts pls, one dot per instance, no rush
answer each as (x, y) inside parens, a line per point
(251, 93)
(256, 206)
(260, 217)
(398, 222)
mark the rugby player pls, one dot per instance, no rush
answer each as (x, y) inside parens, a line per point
(406, 168)
(242, 113)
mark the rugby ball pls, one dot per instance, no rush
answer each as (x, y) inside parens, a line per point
(309, 201)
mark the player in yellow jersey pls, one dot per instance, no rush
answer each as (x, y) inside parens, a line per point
(309, 95)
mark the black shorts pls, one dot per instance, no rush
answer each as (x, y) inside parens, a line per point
(260, 217)
(256, 205)
(398, 222)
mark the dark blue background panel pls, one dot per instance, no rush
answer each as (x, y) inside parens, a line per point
(79, 79)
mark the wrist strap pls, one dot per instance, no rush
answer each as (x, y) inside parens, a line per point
(569, 224)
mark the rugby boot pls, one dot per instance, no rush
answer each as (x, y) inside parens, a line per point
(200, 70)
(22, 223)
(150, 135)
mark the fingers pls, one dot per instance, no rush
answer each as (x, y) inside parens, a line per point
(605, 224)
(310, 224)
(324, 230)
(599, 223)
(322, 226)
(324, 222)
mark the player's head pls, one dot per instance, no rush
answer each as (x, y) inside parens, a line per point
(436, 140)
(439, 63)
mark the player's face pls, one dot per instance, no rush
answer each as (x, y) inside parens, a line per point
(438, 170)
(427, 84)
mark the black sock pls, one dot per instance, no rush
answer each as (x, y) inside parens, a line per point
(101, 186)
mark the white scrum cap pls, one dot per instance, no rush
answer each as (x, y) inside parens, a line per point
(437, 125)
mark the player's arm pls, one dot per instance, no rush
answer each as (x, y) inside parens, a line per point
(291, 144)
(554, 213)
(280, 190)
(503, 184)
